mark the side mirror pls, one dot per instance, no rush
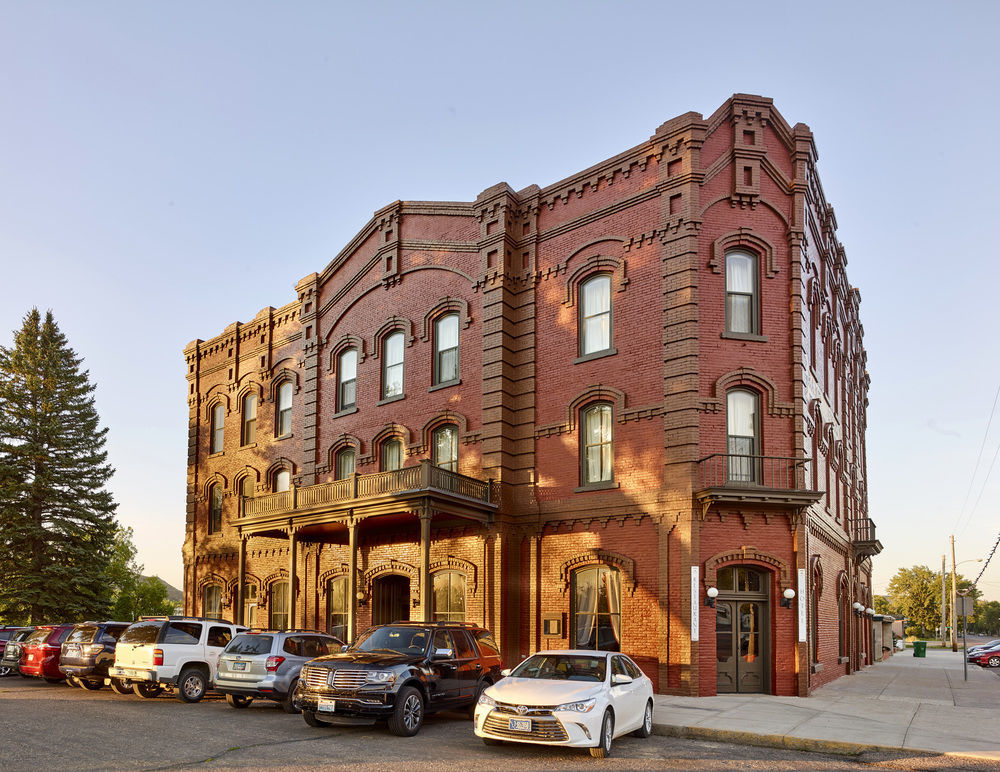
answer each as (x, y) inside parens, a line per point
(443, 654)
(620, 680)
(343, 648)
(505, 672)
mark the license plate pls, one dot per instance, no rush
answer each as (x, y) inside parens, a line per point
(519, 724)
(328, 706)
(31, 657)
(239, 666)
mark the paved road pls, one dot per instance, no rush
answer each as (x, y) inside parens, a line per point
(44, 726)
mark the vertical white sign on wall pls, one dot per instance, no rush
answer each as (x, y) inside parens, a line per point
(803, 622)
(694, 603)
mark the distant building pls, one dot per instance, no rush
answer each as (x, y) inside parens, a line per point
(573, 413)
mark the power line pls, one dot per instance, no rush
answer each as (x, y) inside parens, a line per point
(975, 469)
(988, 559)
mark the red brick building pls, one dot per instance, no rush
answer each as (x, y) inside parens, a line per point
(574, 413)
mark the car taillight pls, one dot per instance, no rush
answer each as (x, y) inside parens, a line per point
(93, 648)
(272, 663)
(157, 656)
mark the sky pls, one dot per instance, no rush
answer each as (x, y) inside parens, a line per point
(167, 169)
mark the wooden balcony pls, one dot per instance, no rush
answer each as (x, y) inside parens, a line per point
(736, 479)
(863, 538)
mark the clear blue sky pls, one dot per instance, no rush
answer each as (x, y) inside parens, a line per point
(169, 168)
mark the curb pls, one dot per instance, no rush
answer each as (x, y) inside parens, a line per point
(779, 741)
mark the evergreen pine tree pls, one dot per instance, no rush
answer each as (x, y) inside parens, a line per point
(57, 521)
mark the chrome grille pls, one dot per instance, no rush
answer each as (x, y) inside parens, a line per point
(532, 710)
(546, 729)
(316, 678)
(349, 679)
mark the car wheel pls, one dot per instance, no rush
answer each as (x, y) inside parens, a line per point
(647, 722)
(192, 685)
(146, 689)
(475, 701)
(993, 662)
(6, 670)
(287, 703)
(310, 718)
(120, 686)
(238, 700)
(408, 714)
(603, 750)
(91, 686)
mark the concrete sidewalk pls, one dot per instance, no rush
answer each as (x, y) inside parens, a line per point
(905, 704)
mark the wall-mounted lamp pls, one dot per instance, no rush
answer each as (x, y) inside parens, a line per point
(361, 597)
(712, 593)
(786, 599)
(858, 608)
(870, 612)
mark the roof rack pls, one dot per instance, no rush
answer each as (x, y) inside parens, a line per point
(258, 630)
(441, 623)
(184, 617)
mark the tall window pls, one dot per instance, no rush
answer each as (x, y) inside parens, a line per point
(215, 509)
(246, 492)
(597, 600)
(595, 315)
(743, 435)
(250, 605)
(345, 463)
(278, 606)
(282, 480)
(392, 366)
(338, 607)
(445, 440)
(446, 349)
(597, 453)
(212, 601)
(347, 379)
(218, 427)
(449, 596)
(283, 424)
(249, 433)
(741, 292)
(392, 455)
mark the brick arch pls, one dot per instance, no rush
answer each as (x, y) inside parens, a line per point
(451, 563)
(594, 557)
(342, 441)
(594, 393)
(343, 343)
(211, 400)
(747, 238)
(264, 596)
(233, 585)
(217, 478)
(444, 306)
(250, 387)
(393, 566)
(748, 556)
(333, 573)
(747, 376)
(392, 324)
(816, 573)
(278, 377)
(443, 418)
(596, 263)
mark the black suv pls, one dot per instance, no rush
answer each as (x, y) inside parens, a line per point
(399, 672)
(14, 634)
(89, 651)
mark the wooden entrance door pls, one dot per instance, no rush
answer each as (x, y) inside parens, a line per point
(741, 636)
(390, 599)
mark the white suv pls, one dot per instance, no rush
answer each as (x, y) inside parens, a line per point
(181, 653)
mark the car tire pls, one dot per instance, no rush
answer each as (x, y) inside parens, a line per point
(146, 689)
(408, 714)
(647, 722)
(309, 717)
(475, 700)
(121, 686)
(6, 670)
(603, 750)
(238, 701)
(192, 685)
(993, 662)
(90, 686)
(287, 703)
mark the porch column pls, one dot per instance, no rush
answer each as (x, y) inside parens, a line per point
(292, 555)
(425, 563)
(241, 572)
(352, 581)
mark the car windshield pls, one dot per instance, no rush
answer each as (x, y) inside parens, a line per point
(82, 634)
(142, 632)
(562, 667)
(250, 644)
(403, 640)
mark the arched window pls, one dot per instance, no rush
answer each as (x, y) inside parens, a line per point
(596, 613)
(743, 435)
(250, 604)
(741, 293)
(338, 607)
(815, 620)
(249, 433)
(246, 491)
(212, 601)
(595, 315)
(446, 349)
(597, 451)
(282, 480)
(347, 379)
(346, 458)
(445, 450)
(449, 596)
(392, 366)
(218, 427)
(278, 606)
(392, 454)
(283, 417)
(215, 508)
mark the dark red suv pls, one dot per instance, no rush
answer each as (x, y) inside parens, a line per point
(40, 652)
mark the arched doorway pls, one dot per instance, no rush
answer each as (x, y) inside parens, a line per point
(742, 631)
(390, 599)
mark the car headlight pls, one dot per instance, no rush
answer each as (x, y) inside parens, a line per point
(584, 706)
(485, 699)
(381, 676)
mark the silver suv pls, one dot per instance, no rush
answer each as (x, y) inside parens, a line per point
(265, 664)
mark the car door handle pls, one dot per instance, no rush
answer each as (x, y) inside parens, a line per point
(479, 666)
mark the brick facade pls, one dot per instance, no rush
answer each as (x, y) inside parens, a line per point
(516, 520)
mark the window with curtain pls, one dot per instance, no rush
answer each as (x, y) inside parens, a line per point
(212, 601)
(249, 432)
(282, 480)
(347, 379)
(392, 366)
(283, 424)
(345, 463)
(448, 596)
(278, 606)
(215, 508)
(741, 293)
(445, 442)
(338, 607)
(598, 454)
(743, 435)
(392, 455)
(597, 597)
(446, 349)
(218, 427)
(595, 315)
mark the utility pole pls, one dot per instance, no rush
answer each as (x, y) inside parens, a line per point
(944, 606)
(954, 616)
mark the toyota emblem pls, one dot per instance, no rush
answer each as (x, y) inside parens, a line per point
(522, 709)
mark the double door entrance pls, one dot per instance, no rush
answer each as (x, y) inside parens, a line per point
(742, 633)
(390, 599)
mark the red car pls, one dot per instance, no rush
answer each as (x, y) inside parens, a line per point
(41, 650)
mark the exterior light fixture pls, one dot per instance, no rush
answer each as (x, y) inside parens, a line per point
(857, 607)
(870, 612)
(712, 593)
(787, 595)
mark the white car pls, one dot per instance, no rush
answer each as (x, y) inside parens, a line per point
(578, 698)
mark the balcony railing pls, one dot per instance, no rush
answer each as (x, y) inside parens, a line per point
(410, 479)
(863, 529)
(728, 470)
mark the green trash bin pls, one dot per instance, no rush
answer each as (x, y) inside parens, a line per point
(920, 648)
